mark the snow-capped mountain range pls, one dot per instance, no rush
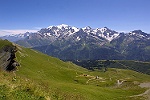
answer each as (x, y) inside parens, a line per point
(72, 43)
(64, 31)
(16, 37)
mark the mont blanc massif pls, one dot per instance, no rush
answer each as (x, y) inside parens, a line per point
(71, 43)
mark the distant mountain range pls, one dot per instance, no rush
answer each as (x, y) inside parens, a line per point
(71, 43)
(16, 37)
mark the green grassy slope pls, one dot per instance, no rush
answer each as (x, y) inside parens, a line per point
(41, 77)
(4, 43)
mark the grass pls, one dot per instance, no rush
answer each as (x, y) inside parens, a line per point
(18, 88)
(41, 77)
(4, 43)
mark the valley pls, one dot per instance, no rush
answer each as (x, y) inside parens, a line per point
(74, 49)
(42, 77)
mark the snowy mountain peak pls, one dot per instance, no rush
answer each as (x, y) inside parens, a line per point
(139, 34)
(50, 27)
(87, 28)
(106, 33)
(75, 29)
(103, 29)
(59, 26)
(63, 26)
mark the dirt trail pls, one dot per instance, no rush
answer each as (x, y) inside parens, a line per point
(90, 80)
(147, 92)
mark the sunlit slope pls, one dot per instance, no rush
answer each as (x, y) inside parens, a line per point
(40, 66)
(68, 81)
(4, 43)
(41, 77)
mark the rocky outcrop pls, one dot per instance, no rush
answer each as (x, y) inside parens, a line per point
(7, 58)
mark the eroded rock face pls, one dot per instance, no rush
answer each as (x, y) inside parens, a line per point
(7, 58)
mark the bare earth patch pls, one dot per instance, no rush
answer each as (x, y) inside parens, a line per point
(146, 93)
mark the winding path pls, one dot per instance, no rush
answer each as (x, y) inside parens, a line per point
(147, 92)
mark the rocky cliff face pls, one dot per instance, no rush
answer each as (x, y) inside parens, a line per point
(7, 58)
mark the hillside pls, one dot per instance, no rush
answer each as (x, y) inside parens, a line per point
(41, 77)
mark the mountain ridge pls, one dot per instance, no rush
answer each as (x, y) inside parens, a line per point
(71, 43)
(56, 31)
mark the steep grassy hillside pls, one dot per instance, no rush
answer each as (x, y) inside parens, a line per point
(40, 77)
(4, 43)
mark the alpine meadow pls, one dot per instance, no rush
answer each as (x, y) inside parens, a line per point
(74, 50)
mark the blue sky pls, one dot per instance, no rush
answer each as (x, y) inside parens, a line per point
(120, 15)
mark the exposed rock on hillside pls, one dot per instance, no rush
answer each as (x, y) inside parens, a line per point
(7, 58)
